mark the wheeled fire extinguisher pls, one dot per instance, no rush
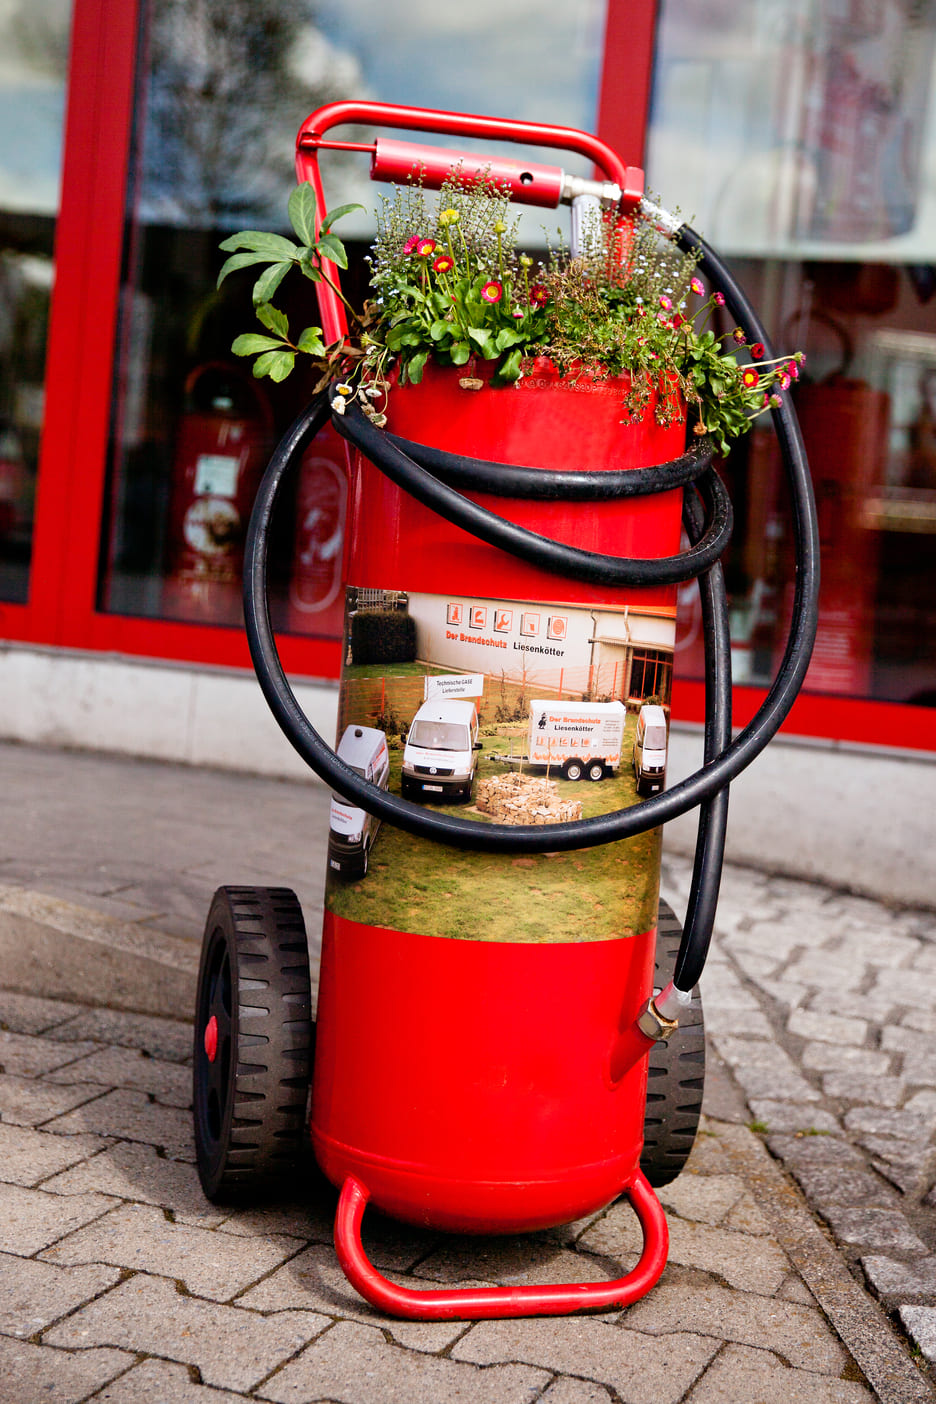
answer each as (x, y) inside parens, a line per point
(485, 1024)
(224, 436)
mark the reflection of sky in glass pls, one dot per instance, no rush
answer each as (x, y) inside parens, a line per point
(31, 116)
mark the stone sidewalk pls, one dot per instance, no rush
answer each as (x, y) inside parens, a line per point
(121, 1283)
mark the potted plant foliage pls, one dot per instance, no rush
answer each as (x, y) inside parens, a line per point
(450, 288)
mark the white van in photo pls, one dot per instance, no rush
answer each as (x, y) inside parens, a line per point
(439, 757)
(650, 749)
(352, 831)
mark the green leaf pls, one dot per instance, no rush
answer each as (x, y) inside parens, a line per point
(331, 247)
(241, 260)
(301, 211)
(252, 342)
(509, 368)
(273, 319)
(309, 270)
(275, 364)
(274, 245)
(268, 282)
(339, 213)
(440, 329)
(507, 337)
(311, 341)
(484, 342)
(416, 365)
(460, 353)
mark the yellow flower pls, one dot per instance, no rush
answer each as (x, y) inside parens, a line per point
(448, 217)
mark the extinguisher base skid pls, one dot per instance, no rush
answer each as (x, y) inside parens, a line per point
(474, 1303)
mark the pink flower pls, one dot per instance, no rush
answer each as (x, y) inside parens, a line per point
(697, 286)
(443, 263)
(739, 336)
(776, 401)
(424, 247)
(757, 350)
(750, 378)
(792, 370)
(492, 291)
(666, 304)
(539, 295)
(718, 299)
(784, 380)
(411, 243)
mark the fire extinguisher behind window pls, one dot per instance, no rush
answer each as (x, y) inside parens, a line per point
(223, 441)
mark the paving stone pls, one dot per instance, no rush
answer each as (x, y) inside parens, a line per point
(923, 1020)
(874, 1228)
(213, 1265)
(569, 1391)
(904, 987)
(353, 1364)
(28, 1156)
(905, 1177)
(131, 1067)
(878, 947)
(920, 1322)
(232, 1348)
(897, 1280)
(896, 1038)
(823, 970)
(919, 1066)
(854, 1005)
(842, 1057)
(314, 1281)
(30, 1101)
(704, 1198)
(519, 1260)
(816, 1150)
(757, 964)
(32, 1219)
(878, 1121)
(30, 1372)
(134, 1171)
(782, 991)
(751, 1022)
(133, 1117)
(879, 1091)
(790, 1116)
(798, 1334)
(827, 1028)
(32, 1293)
(795, 1290)
(763, 1069)
(772, 938)
(751, 1264)
(158, 1382)
(28, 1014)
(161, 1038)
(743, 1373)
(629, 1364)
(745, 1217)
(725, 991)
(28, 1056)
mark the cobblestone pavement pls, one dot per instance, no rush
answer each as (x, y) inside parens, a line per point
(120, 1282)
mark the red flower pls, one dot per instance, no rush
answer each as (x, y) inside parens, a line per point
(411, 243)
(757, 350)
(492, 291)
(739, 336)
(443, 263)
(424, 247)
(539, 296)
(749, 378)
(666, 304)
(718, 299)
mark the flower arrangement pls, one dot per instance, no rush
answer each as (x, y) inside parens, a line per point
(451, 284)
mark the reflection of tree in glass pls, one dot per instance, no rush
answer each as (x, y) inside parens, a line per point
(229, 83)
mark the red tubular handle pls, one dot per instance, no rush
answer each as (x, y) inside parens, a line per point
(425, 119)
(474, 1303)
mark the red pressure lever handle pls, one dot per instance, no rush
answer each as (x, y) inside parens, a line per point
(423, 119)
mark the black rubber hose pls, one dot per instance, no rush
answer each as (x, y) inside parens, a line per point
(558, 484)
(715, 773)
(568, 561)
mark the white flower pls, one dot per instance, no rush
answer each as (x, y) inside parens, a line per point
(339, 405)
(343, 388)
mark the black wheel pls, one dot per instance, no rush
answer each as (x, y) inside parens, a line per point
(596, 770)
(677, 1072)
(573, 770)
(253, 1042)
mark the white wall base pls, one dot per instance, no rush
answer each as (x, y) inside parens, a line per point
(197, 716)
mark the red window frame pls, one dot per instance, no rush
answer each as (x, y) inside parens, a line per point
(62, 609)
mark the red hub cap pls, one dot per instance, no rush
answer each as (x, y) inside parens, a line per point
(211, 1039)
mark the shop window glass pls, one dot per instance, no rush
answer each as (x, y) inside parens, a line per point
(802, 143)
(222, 89)
(33, 66)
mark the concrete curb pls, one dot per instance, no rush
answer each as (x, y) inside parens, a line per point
(62, 951)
